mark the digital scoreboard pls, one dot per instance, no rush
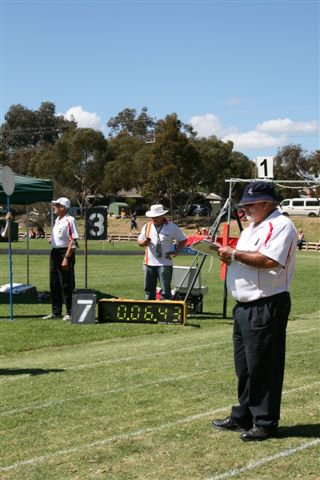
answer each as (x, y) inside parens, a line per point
(142, 311)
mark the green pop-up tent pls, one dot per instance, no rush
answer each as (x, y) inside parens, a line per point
(27, 190)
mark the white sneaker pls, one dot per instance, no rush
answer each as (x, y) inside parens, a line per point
(66, 318)
(51, 316)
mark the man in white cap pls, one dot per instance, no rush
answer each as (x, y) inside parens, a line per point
(158, 236)
(62, 259)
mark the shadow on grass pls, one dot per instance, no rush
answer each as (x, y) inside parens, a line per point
(7, 317)
(309, 431)
(29, 371)
(209, 316)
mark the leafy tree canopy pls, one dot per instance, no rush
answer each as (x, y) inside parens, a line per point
(294, 163)
(128, 122)
(77, 161)
(25, 128)
(163, 159)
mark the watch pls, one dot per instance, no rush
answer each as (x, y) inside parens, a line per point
(233, 255)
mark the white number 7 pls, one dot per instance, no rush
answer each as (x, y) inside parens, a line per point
(86, 310)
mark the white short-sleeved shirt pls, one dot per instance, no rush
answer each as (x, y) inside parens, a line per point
(63, 231)
(169, 233)
(276, 238)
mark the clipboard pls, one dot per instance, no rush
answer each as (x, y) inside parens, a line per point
(207, 247)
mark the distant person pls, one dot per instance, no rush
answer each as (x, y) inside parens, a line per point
(300, 240)
(197, 230)
(259, 276)
(4, 230)
(242, 215)
(62, 259)
(123, 213)
(40, 232)
(133, 221)
(32, 233)
(158, 237)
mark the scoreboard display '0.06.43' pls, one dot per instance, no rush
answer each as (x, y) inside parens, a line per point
(142, 311)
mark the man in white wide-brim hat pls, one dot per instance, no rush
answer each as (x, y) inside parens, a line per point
(163, 241)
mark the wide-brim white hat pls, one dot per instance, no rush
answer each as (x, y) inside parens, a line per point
(156, 211)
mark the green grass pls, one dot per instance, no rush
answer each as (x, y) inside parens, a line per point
(43, 244)
(125, 401)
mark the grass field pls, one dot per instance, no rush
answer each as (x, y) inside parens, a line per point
(125, 401)
(116, 226)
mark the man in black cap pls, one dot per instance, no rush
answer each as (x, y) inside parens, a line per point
(260, 272)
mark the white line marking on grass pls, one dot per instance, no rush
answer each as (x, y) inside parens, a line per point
(160, 381)
(115, 438)
(295, 354)
(127, 388)
(126, 436)
(144, 356)
(124, 389)
(303, 387)
(127, 359)
(122, 359)
(263, 461)
(305, 330)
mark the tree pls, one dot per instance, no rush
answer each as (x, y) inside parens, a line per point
(294, 163)
(25, 128)
(121, 170)
(127, 122)
(214, 161)
(25, 131)
(172, 162)
(77, 162)
(314, 164)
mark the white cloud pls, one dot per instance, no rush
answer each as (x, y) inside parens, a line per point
(270, 134)
(285, 125)
(84, 119)
(209, 124)
(206, 125)
(254, 140)
(233, 101)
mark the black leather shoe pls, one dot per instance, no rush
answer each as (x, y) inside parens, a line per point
(256, 434)
(230, 424)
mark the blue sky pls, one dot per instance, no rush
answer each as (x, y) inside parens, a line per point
(242, 70)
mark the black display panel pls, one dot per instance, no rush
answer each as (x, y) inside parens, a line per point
(96, 223)
(142, 311)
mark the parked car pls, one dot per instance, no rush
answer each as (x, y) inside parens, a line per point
(199, 209)
(140, 209)
(300, 206)
(75, 211)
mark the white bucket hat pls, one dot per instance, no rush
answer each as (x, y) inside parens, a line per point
(156, 211)
(65, 202)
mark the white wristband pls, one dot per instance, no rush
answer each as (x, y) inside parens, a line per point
(233, 255)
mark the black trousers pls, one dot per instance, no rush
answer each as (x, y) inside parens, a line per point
(259, 339)
(62, 282)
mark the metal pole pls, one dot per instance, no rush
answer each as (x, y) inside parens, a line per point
(85, 249)
(10, 259)
(225, 290)
(212, 232)
(28, 246)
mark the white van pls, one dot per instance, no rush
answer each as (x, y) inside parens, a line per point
(300, 206)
